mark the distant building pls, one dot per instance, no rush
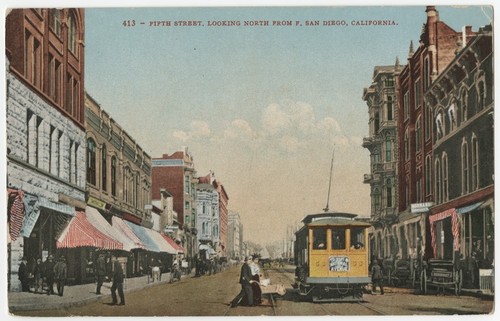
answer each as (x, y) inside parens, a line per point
(462, 102)
(235, 248)
(382, 144)
(223, 215)
(207, 214)
(45, 127)
(176, 174)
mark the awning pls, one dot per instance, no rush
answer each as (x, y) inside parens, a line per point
(468, 208)
(96, 219)
(143, 235)
(162, 244)
(179, 249)
(80, 233)
(455, 229)
(123, 227)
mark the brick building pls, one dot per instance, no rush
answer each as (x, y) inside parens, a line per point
(223, 215)
(46, 143)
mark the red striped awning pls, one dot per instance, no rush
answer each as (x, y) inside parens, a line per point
(80, 232)
(16, 212)
(455, 228)
(177, 247)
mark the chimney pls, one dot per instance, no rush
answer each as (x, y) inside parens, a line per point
(466, 31)
(432, 19)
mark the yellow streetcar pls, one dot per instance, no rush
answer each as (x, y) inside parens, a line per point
(331, 255)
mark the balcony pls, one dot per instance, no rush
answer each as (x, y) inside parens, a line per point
(367, 178)
(369, 141)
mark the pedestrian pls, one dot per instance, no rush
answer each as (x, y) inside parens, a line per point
(38, 276)
(60, 274)
(23, 275)
(246, 287)
(118, 278)
(48, 272)
(377, 277)
(255, 268)
(100, 271)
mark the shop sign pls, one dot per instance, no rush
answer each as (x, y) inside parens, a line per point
(32, 212)
(96, 203)
(421, 207)
(58, 207)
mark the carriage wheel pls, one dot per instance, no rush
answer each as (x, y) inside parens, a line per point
(423, 282)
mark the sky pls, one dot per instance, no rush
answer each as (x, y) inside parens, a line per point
(263, 107)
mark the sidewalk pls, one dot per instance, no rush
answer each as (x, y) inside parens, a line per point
(76, 294)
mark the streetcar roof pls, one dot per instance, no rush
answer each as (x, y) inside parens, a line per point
(338, 222)
(320, 216)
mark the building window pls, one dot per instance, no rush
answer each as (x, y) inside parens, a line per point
(406, 105)
(419, 190)
(54, 81)
(418, 134)
(439, 125)
(407, 146)
(418, 94)
(389, 82)
(72, 33)
(376, 199)
(474, 163)
(426, 73)
(389, 108)
(55, 21)
(445, 177)
(452, 114)
(437, 180)
(388, 189)
(428, 175)
(463, 100)
(104, 168)
(33, 60)
(376, 157)
(428, 122)
(75, 163)
(91, 161)
(465, 167)
(388, 151)
(187, 184)
(113, 176)
(32, 138)
(376, 123)
(481, 96)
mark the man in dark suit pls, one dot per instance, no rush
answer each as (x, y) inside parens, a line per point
(117, 282)
(246, 286)
(100, 271)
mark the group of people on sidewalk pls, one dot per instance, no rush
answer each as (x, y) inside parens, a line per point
(250, 294)
(48, 272)
(117, 276)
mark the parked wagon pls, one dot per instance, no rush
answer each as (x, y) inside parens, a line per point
(401, 273)
(442, 274)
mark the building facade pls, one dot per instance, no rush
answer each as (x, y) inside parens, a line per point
(223, 215)
(436, 49)
(176, 173)
(382, 143)
(234, 236)
(207, 214)
(46, 142)
(461, 100)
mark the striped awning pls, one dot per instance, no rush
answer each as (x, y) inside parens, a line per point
(80, 233)
(97, 220)
(179, 249)
(162, 244)
(123, 227)
(455, 228)
(143, 235)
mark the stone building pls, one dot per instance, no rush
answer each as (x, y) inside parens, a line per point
(462, 102)
(207, 214)
(45, 125)
(234, 236)
(223, 215)
(382, 144)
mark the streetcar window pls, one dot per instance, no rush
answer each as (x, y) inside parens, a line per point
(319, 239)
(357, 238)
(338, 239)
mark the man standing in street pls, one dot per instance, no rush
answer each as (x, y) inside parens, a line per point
(48, 273)
(60, 274)
(100, 271)
(377, 277)
(117, 282)
(23, 275)
(245, 281)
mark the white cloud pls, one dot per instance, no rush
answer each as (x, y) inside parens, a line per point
(239, 128)
(274, 119)
(180, 135)
(290, 143)
(198, 128)
(329, 124)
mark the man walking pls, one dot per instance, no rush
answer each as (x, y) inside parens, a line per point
(117, 282)
(24, 275)
(245, 281)
(48, 272)
(377, 277)
(60, 274)
(100, 270)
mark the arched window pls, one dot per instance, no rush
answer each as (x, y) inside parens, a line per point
(428, 175)
(376, 199)
(428, 122)
(113, 176)
(407, 145)
(104, 168)
(376, 124)
(465, 167)
(481, 96)
(388, 190)
(452, 114)
(216, 230)
(474, 163)
(91, 161)
(437, 180)
(445, 177)
(55, 21)
(439, 125)
(463, 101)
(72, 33)
(388, 150)
(418, 134)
